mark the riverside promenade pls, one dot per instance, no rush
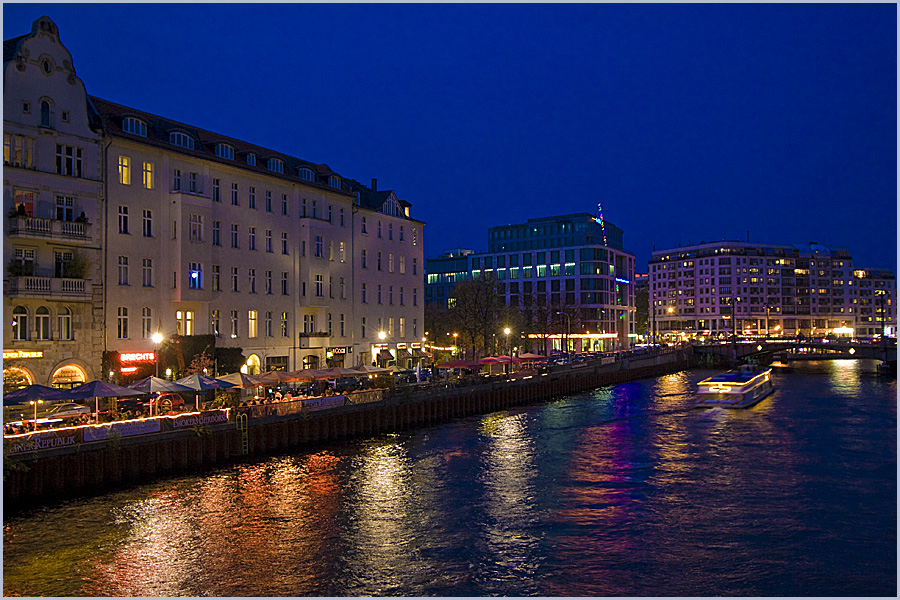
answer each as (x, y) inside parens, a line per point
(50, 465)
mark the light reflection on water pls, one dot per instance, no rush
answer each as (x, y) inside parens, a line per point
(626, 490)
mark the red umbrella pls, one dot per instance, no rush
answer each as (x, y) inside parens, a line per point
(488, 360)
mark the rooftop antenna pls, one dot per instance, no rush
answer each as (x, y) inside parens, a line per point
(599, 220)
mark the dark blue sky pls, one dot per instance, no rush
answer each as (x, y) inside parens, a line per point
(688, 122)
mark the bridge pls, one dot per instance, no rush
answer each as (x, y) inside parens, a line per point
(885, 350)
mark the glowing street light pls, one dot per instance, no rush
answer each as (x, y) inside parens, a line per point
(157, 338)
(35, 404)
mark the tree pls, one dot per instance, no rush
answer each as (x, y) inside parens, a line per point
(476, 308)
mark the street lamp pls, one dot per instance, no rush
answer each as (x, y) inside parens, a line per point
(35, 404)
(455, 347)
(508, 351)
(157, 338)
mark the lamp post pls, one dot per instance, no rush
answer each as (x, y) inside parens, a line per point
(508, 351)
(455, 335)
(35, 404)
(157, 338)
(381, 336)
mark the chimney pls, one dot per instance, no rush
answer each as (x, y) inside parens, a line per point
(374, 185)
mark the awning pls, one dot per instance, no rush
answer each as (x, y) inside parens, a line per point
(403, 353)
(386, 354)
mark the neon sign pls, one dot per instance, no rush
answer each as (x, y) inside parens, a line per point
(13, 354)
(137, 357)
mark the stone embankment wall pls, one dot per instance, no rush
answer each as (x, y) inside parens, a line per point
(54, 473)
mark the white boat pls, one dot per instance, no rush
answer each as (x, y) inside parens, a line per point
(738, 388)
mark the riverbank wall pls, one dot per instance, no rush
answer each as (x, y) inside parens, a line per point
(47, 475)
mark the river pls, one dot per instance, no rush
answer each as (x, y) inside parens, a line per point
(625, 490)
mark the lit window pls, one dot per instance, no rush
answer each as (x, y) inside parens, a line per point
(177, 138)
(18, 151)
(148, 175)
(135, 126)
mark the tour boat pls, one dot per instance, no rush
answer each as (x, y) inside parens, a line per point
(738, 388)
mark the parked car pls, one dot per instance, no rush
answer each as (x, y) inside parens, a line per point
(165, 402)
(67, 411)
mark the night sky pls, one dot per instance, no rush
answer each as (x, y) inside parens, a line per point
(688, 123)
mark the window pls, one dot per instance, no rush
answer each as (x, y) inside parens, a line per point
(320, 286)
(319, 249)
(415, 296)
(135, 126)
(148, 175)
(64, 323)
(306, 174)
(234, 237)
(303, 208)
(251, 324)
(331, 250)
(275, 165)
(176, 138)
(390, 231)
(147, 223)
(184, 322)
(334, 181)
(362, 297)
(391, 295)
(65, 208)
(284, 283)
(268, 201)
(217, 231)
(214, 321)
(42, 323)
(268, 282)
(268, 240)
(20, 324)
(195, 276)
(18, 150)
(379, 229)
(251, 159)
(329, 213)
(401, 233)
(379, 293)
(215, 192)
(343, 293)
(24, 202)
(124, 170)
(225, 151)
(251, 198)
(196, 228)
(268, 323)
(342, 217)
(234, 194)
(45, 105)
(415, 238)
(192, 183)
(402, 265)
(234, 279)
(362, 258)
(234, 323)
(378, 263)
(343, 252)
(401, 296)
(123, 270)
(147, 272)
(329, 325)
(26, 107)
(284, 204)
(123, 219)
(363, 327)
(284, 243)
(122, 323)
(176, 179)
(251, 242)
(69, 160)
(390, 262)
(402, 327)
(252, 280)
(215, 279)
(363, 226)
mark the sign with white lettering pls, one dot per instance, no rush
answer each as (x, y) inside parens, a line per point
(127, 357)
(16, 354)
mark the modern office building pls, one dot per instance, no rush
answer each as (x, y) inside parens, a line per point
(719, 288)
(573, 264)
(188, 232)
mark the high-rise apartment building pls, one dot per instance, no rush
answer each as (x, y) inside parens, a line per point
(719, 288)
(190, 232)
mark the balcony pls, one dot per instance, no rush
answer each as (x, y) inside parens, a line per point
(36, 227)
(315, 339)
(49, 287)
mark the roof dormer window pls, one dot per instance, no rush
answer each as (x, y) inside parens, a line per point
(251, 159)
(181, 139)
(225, 151)
(276, 165)
(334, 181)
(135, 126)
(307, 174)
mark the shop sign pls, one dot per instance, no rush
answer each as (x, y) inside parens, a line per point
(338, 350)
(127, 357)
(208, 417)
(380, 346)
(16, 354)
(401, 345)
(41, 440)
(416, 345)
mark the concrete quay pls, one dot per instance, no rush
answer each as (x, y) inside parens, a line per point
(46, 475)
